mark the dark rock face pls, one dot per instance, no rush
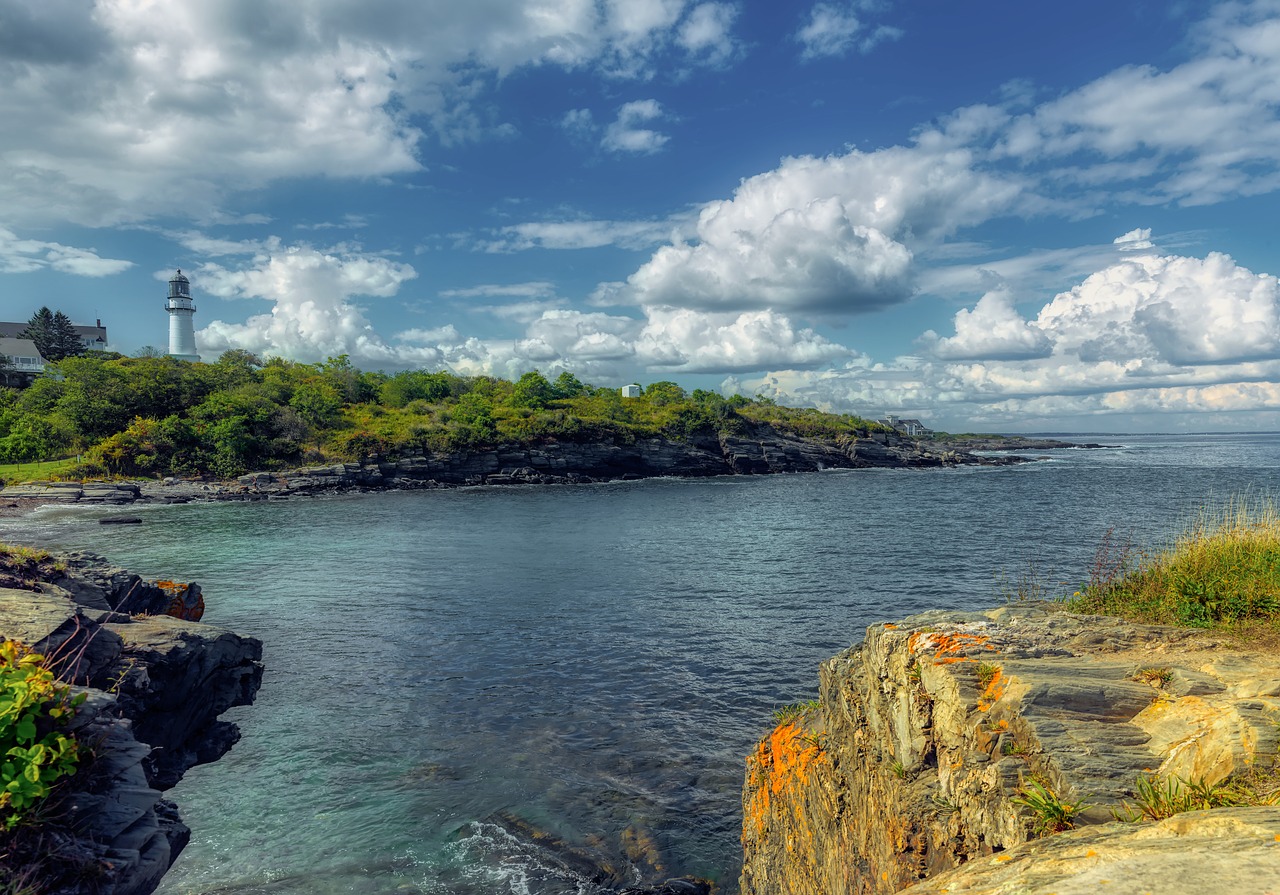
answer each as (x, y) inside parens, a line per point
(763, 453)
(156, 685)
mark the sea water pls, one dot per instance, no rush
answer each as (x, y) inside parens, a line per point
(503, 690)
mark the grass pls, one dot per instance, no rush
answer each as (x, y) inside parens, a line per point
(795, 711)
(1156, 798)
(34, 472)
(1222, 572)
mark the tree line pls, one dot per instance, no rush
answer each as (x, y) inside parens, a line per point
(157, 416)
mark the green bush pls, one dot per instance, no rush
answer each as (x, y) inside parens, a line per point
(34, 711)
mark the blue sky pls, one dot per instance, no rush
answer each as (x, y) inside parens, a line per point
(996, 216)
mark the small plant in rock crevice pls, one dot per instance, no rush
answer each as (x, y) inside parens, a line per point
(795, 711)
(1049, 813)
(1156, 676)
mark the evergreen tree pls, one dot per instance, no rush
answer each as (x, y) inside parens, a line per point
(40, 330)
(66, 341)
(54, 335)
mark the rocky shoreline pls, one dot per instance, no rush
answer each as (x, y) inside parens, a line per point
(156, 681)
(765, 453)
(914, 771)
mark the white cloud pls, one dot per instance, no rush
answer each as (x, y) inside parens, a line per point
(312, 316)
(834, 30)
(1205, 130)
(1137, 240)
(826, 235)
(626, 134)
(587, 234)
(532, 289)
(124, 111)
(27, 255)
(1146, 335)
(707, 32)
(993, 330)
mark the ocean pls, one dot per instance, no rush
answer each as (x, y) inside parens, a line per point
(517, 690)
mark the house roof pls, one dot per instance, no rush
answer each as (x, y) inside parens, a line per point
(9, 330)
(18, 348)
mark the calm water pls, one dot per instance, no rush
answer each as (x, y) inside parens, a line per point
(448, 671)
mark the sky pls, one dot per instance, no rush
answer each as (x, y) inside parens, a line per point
(996, 216)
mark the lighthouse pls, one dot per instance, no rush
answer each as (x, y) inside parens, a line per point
(182, 335)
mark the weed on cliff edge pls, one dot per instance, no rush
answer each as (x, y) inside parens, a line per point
(1049, 814)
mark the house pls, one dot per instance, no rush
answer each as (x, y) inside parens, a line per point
(913, 428)
(93, 338)
(22, 361)
(632, 391)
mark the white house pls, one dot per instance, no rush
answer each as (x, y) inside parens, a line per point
(632, 391)
(21, 357)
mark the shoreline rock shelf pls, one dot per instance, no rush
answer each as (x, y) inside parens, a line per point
(911, 766)
(156, 685)
(764, 453)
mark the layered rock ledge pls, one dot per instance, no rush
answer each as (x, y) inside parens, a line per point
(157, 680)
(925, 736)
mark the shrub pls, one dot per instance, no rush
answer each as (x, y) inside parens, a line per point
(34, 710)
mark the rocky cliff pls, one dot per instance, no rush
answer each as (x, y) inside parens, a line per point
(922, 757)
(763, 453)
(157, 680)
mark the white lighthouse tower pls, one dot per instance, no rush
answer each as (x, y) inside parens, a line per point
(182, 335)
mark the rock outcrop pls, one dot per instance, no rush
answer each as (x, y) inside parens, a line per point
(928, 738)
(156, 685)
(763, 452)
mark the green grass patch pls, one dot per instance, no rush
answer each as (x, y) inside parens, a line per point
(13, 473)
(1222, 572)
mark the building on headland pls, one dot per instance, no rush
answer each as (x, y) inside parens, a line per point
(632, 391)
(914, 428)
(93, 338)
(181, 308)
(20, 361)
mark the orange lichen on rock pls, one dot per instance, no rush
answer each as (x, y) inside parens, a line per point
(781, 763)
(993, 691)
(186, 603)
(948, 648)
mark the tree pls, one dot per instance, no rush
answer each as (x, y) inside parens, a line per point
(662, 393)
(568, 386)
(66, 341)
(40, 330)
(532, 391)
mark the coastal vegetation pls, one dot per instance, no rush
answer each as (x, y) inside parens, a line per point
(155, 416)
(1222, 572)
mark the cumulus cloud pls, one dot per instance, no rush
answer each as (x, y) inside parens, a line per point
(1146, 335)
(993, 330)
(827, 235)
(121, 112)
(834, 30)
(27, 255)
(627, 133)
(312, 314)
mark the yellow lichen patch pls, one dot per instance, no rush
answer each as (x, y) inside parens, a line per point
(890, 626)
